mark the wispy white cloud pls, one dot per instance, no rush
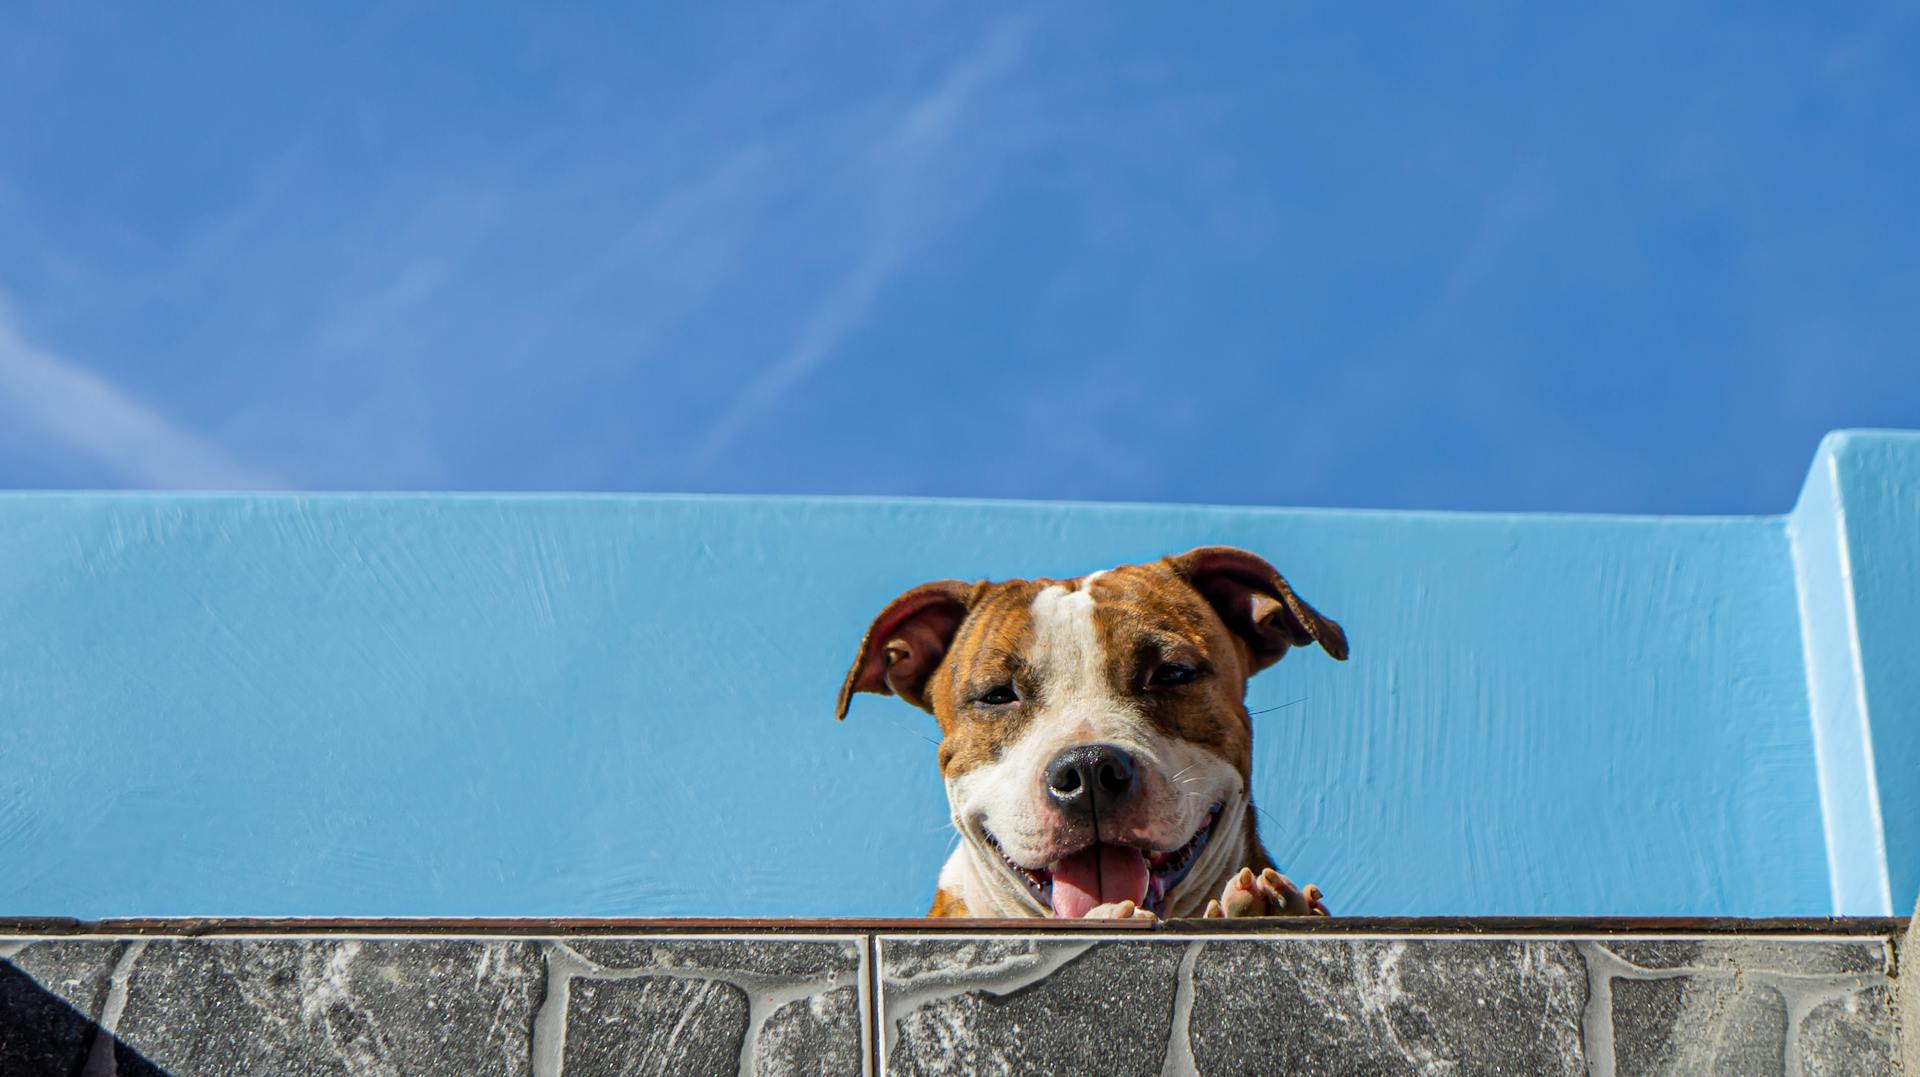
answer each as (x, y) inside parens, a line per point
(88, 415)
(910, 197)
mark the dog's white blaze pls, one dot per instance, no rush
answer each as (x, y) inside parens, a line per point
(1077, 705)
(1066, 656)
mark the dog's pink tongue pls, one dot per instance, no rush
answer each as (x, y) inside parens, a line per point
(1098, 875)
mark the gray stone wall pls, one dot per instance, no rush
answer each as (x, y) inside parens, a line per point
(1134, 1003)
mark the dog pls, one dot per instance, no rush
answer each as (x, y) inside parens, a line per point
(1095, 741)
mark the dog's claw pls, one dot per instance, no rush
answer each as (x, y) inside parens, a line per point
(1119, 910)
(1266, 894)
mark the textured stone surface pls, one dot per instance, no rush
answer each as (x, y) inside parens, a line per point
(775, 958)
(350, 1006)
(72, 969)
(819, 1035)
(1852, 1035)
(296, 1006)
(51, 995)
(655, 1024)
(1810, 957)
(669, 1006)
(1389, 1006)
(1038, 1006)
(1908, 950)
(1688, 1024)
(1231, 1005)
(1743, 1006)
(1139, 1003)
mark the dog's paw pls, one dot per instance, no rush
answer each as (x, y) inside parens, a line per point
(1118, 910)
(1266, 894)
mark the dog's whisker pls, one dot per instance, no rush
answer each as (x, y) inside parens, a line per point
(1266, 816)
(1179, 781)
(1280, 707)
(911, 733)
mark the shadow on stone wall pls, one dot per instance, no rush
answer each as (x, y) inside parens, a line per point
(41, 1034)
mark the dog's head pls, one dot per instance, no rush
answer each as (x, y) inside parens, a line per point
(1095, 739)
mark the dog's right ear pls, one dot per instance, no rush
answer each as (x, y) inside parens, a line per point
(905, 644)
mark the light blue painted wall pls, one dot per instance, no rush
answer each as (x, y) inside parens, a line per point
(1877, 477)
(623, 705)
(1842, 739)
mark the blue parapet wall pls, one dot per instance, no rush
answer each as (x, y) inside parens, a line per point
(422, 705)
(1856, 544)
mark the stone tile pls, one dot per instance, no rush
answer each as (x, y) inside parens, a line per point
(1698, 1024)
(674, 1005)
(1036, 1005)
(334, 1006)
(1008, 1004)
(654, 1025)
(1257, 1005)
(1388, 1006)
(1812, 957)
(818, 1035)
(51, 995)
(926, 959)
(76, 970)
(1749, 1005)
(1853, 1036)
(816, 960)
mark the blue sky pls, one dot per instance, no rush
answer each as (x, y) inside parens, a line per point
(1496, 256)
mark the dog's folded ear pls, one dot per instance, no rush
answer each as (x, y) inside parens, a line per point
(1257, 604)
(905, 644)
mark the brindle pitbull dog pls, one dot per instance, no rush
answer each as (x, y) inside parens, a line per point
(1095, 738)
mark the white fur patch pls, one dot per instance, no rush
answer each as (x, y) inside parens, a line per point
(1067, 658)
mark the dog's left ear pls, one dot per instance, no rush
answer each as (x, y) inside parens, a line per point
(905, 644)
(1257, 604)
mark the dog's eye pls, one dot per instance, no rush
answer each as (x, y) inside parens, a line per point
(1170, 674)
(999, 695)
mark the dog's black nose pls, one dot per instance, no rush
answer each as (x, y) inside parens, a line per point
(1079, 779)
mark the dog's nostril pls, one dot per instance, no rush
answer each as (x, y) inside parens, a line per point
(1079, 777)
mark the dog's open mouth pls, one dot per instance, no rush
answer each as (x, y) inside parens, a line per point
(1103, 873)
